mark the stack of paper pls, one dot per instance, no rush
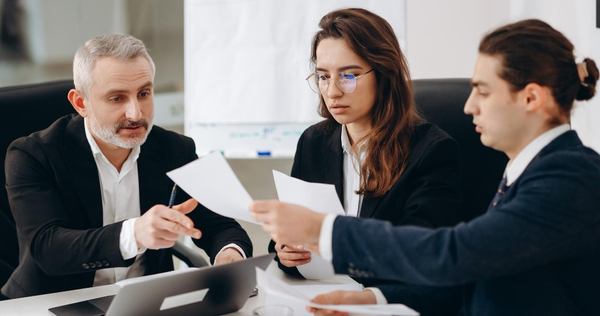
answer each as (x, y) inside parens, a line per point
(274, 286)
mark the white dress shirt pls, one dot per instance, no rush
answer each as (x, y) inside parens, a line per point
(120, 193)
(352, 164)
(513, 170)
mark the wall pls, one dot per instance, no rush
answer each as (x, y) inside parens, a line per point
(442, 36)
(56, 28)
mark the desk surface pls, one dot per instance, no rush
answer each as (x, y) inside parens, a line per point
(38, 305)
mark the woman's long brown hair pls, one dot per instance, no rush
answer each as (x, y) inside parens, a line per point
(393, 117)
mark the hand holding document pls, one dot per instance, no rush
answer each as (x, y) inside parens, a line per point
(211, 182)
(319, 197)
(273, 286)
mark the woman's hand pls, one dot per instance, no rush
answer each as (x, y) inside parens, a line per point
(292, 256)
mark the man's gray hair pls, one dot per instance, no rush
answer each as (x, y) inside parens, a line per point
(118, 46)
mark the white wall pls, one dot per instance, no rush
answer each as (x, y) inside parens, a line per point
(56, 28)
(443, 36)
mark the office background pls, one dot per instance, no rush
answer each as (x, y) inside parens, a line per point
(440, 38)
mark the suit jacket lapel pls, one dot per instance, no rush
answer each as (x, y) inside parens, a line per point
(83, 170)
(368, 206)
(333, 162)
(151, 174)
(334, 172)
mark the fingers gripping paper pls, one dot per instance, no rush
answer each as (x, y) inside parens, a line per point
(318, 197)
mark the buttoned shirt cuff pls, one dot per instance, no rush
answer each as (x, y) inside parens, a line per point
(234, 246)
(325, 239)
(127, 243)
(379, 297)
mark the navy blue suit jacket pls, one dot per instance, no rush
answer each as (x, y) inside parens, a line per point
(536, 253)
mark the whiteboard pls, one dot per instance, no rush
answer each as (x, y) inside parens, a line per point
(246, 62)
(247, 140)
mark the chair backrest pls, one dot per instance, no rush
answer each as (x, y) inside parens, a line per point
(441, 102)
(24, 110)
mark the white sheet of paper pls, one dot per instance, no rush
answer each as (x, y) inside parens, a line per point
(274, 286)
(312, 290)
(211, 182)
(319, 197)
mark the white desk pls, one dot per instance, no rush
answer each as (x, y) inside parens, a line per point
(38, 305)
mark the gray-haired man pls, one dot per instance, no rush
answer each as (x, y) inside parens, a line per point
(87, 193)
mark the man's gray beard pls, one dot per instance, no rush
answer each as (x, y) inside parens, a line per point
(109, 135)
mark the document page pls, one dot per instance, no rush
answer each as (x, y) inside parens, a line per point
(211, 182)
(318, 197)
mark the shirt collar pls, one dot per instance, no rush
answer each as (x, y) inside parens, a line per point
(346, 146)
(135, 153)
(91, 141)
(516, 166)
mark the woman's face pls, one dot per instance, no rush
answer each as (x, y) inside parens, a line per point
(335, 60)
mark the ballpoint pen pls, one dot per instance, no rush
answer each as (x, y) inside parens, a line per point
(172, 197)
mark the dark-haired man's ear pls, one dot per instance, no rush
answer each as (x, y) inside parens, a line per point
(536, 97)
(539, 99)
(77, 101)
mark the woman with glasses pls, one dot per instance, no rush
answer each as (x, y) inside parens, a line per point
(384, 160)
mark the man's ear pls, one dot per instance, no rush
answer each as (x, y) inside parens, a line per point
(78, 102)
(539, 99)
(535, 97)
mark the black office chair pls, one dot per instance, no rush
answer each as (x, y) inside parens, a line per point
(441, 102)
(24, 110)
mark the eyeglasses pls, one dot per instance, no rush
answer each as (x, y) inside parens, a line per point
(346, 82)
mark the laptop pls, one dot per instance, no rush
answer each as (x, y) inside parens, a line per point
(205, 291)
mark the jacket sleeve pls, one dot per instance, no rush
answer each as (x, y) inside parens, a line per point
(44, 227)
(553, 215)
(427, 300)
(219, 231)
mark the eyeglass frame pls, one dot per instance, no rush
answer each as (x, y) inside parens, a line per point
(336, 82)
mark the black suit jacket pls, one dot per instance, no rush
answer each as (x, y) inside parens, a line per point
(427, 194)
(535, 253)
(54, 193)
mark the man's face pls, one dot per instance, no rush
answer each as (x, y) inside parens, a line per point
(497, 112)
(119, 105)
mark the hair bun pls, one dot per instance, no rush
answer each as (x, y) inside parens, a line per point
(587, 85)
